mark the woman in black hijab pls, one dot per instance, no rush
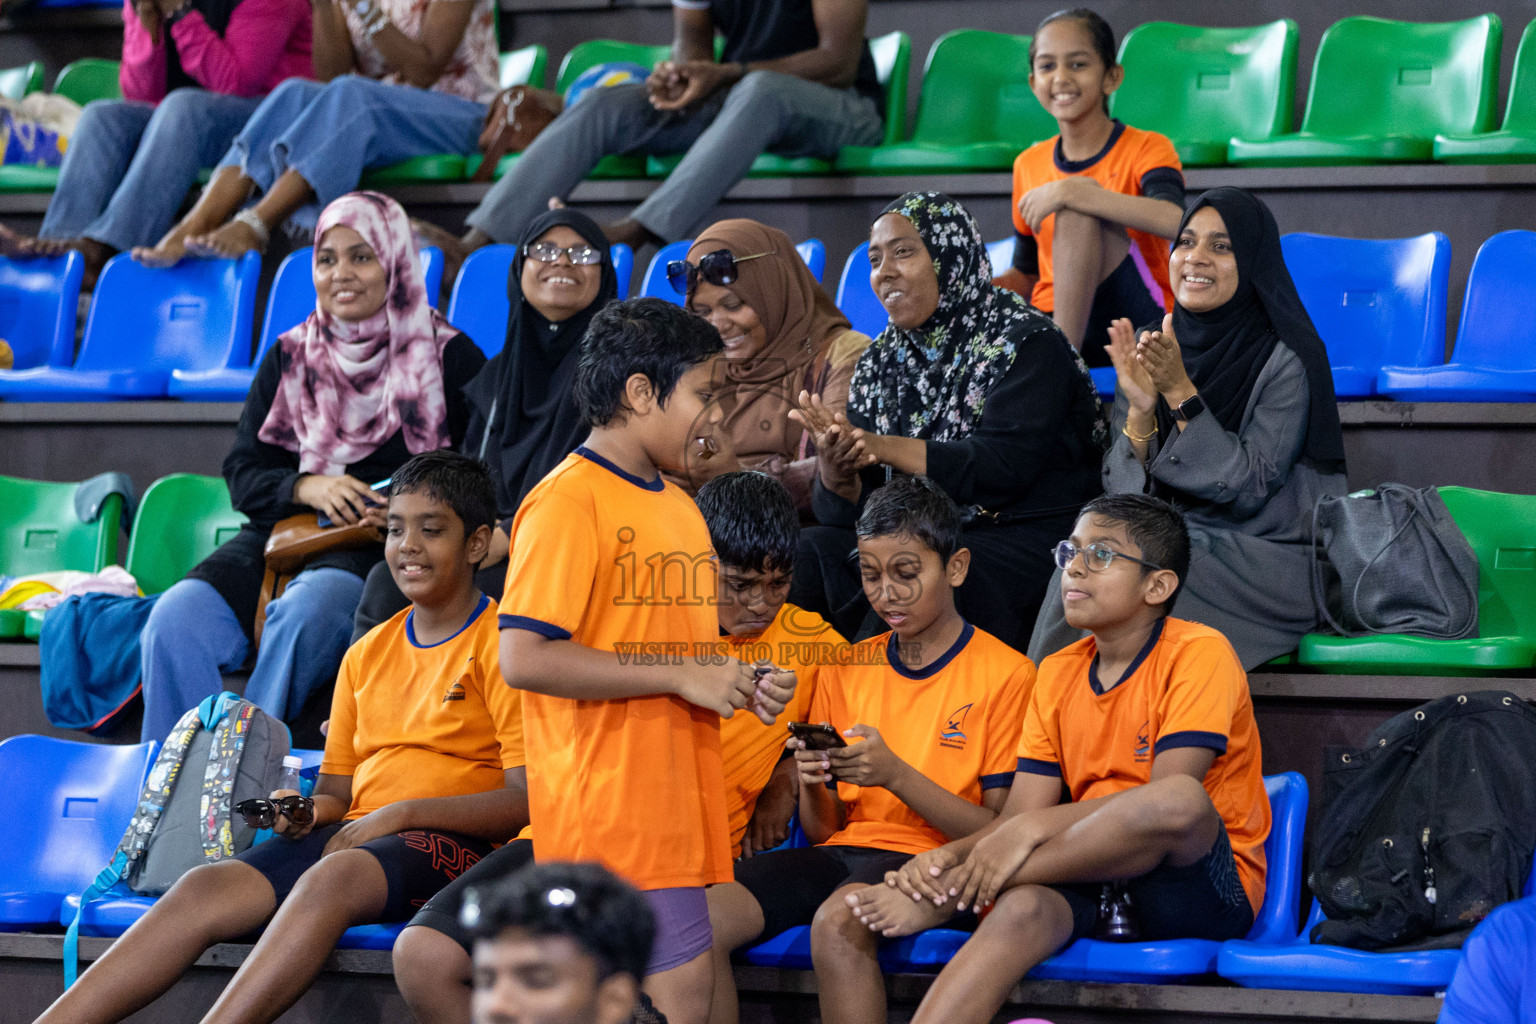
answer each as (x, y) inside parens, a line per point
(523, 420)
(1227, 410)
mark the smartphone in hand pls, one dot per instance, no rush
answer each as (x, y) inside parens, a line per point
(817, 737)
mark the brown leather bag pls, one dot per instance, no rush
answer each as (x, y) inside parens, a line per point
(516, 116)
(293, 544)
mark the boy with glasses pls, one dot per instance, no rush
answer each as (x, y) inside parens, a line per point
(1148, 724)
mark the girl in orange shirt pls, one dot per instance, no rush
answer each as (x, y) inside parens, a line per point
(1094, 205)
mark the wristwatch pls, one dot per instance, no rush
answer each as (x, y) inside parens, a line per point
(1188, 409)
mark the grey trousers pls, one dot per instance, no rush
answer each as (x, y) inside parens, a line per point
(765, 110)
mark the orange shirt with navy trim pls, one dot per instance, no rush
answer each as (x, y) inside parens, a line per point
(956, 721)
(1123, 166)
(795, 640)
(1186, 688)
(410, 720)
(616, 563)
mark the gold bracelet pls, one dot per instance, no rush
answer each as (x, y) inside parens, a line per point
(1139, 438)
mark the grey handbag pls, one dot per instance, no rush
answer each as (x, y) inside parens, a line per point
(1395, 563)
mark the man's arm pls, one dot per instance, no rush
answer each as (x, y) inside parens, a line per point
(693, 34)
(495, 815)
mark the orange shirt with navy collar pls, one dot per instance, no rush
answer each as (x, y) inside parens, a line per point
(617, 563)
(956, 721)
(1186, 688)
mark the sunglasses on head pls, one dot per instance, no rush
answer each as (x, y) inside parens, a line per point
(718, 268)
(259, 812)
(582, 255)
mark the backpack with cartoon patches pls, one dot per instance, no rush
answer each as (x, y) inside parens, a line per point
(221, 752)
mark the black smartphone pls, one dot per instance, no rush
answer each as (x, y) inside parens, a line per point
(817, 737)
(325, 522)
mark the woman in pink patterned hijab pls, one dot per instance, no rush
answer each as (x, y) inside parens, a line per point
(356, 375)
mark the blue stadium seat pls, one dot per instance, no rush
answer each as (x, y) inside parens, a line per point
(656, 285)
(146, 322)
(479, 306)
(1374, 302)
(1495, 355)
(291, 299)
(1001, 254)
(1298, 964)
(38, 301)
(856, 298)
(1091, 960)
(68, 805)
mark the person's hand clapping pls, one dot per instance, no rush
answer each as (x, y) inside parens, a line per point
(344, 499)
(841, 448)
(870, 763)
(1158, 353)
(1130, 375)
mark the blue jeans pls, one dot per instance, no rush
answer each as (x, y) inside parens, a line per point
(766, 110)
(192, 638)
(129, 165)
(331, 133)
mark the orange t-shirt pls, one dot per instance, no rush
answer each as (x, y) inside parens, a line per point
(1185, 689)
(1124, 166)
(796, 639)
(411, 721)
(956, 721)
(620, 564)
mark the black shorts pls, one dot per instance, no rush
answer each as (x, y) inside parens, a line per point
(1204, 900)
(1122, 294)
(416, 864)
(442, 911)
(790, 884)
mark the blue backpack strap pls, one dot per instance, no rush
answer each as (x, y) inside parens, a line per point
(110, 876)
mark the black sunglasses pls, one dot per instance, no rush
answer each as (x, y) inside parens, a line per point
(718, 268)
(259, 812)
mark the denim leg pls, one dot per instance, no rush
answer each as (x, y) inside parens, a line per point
(190, 639)
(765, 110)
(104, 142)
(307, 632)
(251, 151)
(357, 123)
(614, 120)
(191, 129)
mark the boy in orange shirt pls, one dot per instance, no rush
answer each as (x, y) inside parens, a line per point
(608, 629)
(423, 775)
(934, 708)
(1148, 724)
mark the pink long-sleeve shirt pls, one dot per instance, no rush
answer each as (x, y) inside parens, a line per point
(265, 42)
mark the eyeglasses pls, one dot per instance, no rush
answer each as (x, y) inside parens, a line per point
(1097, 557)
(548, 252)
(259, 812)
(718, 268)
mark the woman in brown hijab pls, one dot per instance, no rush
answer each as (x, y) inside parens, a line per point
(782, 336)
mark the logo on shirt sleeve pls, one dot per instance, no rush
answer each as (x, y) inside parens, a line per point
(1144, 743)
(953, 733)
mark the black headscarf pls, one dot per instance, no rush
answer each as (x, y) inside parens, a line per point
(216, 13)
(522, 405)
(1225, 349)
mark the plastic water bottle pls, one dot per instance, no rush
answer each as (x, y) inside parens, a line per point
(289, 780)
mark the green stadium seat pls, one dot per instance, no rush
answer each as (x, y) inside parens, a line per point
(40, 532)
(893, 59)
(583, 56)
(181, 519)
(1502, 530)
(1515, 142)
(450, 166)
(82, 81)
(976, 112)
(18, 82)
(1202, 86)
(1383, 90)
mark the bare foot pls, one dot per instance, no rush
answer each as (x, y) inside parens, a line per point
(18, 246)
(168, 251)
(631, 233)
(230, 241)
(892, 913)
